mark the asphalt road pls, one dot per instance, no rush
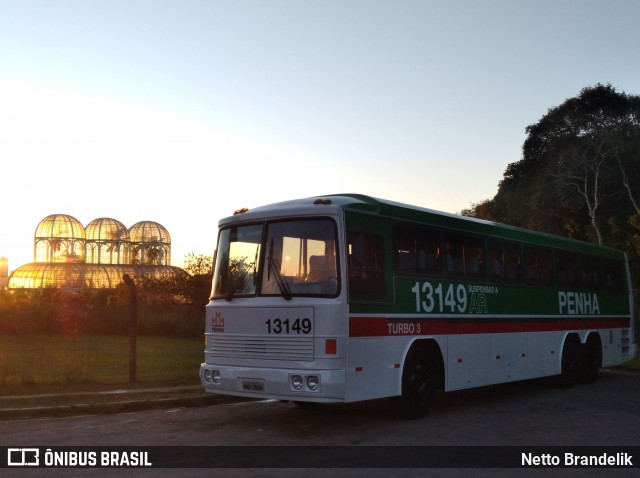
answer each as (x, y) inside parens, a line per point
(525, 414)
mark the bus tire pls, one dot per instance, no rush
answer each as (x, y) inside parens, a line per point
(591, 360)
(570, 364)
(418, 385)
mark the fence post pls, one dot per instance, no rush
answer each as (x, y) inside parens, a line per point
(133, 327)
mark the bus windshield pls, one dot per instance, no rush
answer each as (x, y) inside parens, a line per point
(287, 258)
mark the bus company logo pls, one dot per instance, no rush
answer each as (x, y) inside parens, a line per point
(578, 303)
(23, 457)
(217, 323)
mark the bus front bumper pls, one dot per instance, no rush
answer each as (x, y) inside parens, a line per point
(282, 384)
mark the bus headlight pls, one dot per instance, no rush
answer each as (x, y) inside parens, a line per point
(313, 382)
(304, 383)
(211, 376)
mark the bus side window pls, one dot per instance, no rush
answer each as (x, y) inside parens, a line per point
(538, 265)
(366, 265)
(613, 275)
(464, 256)
(566, 267)
(454, 255)
(416, 251)
(504, 261)
(591, 272)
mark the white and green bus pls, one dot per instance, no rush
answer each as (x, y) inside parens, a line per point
(346, 298)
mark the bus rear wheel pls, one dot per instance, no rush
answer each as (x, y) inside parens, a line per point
(570, 364)
(418, 386)
(591, 360)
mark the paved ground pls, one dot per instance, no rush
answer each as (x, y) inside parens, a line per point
(60, 404)
(527, 414)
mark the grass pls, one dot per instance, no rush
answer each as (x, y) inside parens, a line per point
(56, 376)
(90, 361)
(632, 365)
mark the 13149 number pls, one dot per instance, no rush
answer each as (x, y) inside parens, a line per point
(439, 298)
(288, 326)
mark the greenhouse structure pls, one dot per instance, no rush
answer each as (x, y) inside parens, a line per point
(68, 255)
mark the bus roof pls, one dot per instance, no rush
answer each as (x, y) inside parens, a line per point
(410, 213)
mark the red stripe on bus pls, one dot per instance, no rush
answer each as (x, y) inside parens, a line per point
(382, 326)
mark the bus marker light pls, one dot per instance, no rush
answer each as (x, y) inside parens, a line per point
(358, 369)
(313, 382)
(296, 382)
(331, 347)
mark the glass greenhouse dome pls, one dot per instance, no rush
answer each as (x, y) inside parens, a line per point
(59, 238)
(81, 276)
(107, 242)
(68, 255)
(150, 243)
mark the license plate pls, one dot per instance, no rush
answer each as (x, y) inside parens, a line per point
(252, 386)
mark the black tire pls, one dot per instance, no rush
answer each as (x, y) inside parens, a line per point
(591, 360)
(571, 363)
(418, 386)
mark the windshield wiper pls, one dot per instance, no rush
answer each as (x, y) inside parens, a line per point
(274, 266)
(280, 280)
(241, 280)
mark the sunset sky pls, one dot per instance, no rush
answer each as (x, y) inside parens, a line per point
(182, 111)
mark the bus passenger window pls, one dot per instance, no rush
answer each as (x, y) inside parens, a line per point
(464, 256)
(591, 272)
(614, 275)
(504, 261)
(538, 265)
(416, 251)
(454, 256)
(366, 265)
(566, 267)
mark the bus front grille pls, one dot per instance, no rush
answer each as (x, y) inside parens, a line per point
(261, 347)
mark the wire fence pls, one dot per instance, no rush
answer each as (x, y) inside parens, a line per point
(55, 337)
(80, 359)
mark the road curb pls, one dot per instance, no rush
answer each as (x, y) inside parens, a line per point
(81, 403)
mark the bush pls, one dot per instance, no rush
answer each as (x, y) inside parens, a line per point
(163, 309)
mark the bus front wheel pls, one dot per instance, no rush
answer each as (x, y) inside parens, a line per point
(418, 386)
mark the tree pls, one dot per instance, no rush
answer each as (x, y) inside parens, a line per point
(578, 162)
(480, 210)
(198, 264)
(579, 175)
(581, 167)
(200, 270)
